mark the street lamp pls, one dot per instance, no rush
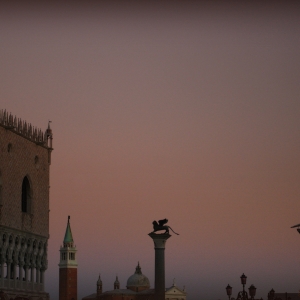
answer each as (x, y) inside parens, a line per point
(271, 295)
(243, 295)
(229, 291)
(243, 282)
(252, 291)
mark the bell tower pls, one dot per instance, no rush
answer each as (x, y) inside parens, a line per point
(99, 286)
(68, 267)
(116, 284)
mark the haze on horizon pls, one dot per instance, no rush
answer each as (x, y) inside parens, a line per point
(180, 110)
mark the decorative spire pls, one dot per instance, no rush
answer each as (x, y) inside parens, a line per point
(68, 240)
(116, 284)
(99, 286)
(138, 269)
(174, 282)
(99, 281)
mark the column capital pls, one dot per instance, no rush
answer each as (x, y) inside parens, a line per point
(159, 239)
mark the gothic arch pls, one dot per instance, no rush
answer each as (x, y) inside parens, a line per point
(4, 240)
(26, 199)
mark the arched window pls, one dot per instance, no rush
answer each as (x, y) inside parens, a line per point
(26, 197)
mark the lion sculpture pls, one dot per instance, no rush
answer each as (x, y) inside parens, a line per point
(161, 226)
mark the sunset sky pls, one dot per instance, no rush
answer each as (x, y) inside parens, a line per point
(183, 110)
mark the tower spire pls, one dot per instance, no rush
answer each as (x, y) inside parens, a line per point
(99, 286)
(116, 284)
(68, 240)
(138, 269)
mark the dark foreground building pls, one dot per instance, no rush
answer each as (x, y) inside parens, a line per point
(25, 157)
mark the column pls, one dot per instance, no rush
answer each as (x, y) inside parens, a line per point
(42, 279)
(21, 284)
(2, 272)
(26, 276)
(26, 272)
(8, 271)
(32, 277)
(14, 267)
(38, 274)
(159, 246)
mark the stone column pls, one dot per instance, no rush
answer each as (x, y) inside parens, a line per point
(37, 274)
(2, 272)
(159, 246)
(8, 271)
(21, 284)
(21, 265)
(26, 272)
(42, 277)
(32, 276)
(14, 274)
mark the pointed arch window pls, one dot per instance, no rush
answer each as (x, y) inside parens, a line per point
(26, 195)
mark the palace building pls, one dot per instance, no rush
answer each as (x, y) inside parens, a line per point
(25, 158)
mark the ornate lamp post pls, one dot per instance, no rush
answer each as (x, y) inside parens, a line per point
(243, 282)
(229, 291)
(271, 295)
(252, 291)
(243, 295)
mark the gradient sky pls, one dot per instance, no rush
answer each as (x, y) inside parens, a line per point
(165, 109)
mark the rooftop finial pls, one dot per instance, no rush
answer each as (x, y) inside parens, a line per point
(99, 280)
(68, 240)
(49, 124)
(138, 269)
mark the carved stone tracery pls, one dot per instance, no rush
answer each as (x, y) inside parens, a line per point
(16, 258)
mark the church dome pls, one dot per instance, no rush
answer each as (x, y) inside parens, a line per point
(138, 282)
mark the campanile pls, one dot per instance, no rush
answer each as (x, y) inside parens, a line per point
(68, 267)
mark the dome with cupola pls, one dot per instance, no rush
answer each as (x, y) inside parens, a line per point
(138, 282)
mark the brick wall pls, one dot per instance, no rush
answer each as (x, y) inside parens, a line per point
(68, 284)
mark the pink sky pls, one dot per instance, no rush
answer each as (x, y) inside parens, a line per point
(165, 110)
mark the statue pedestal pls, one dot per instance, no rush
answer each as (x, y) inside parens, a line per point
(159, 246)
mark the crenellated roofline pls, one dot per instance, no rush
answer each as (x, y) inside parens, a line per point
(26, 130)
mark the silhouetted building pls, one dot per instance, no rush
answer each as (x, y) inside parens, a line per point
(138, 288)
(282, 296)
(68, 267)
(25, 157)
(138, 285)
